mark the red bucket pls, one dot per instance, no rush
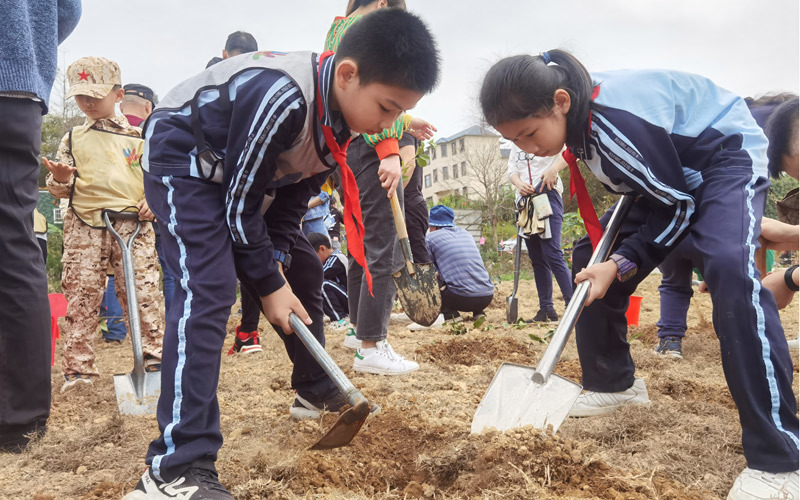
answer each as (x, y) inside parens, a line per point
(633, 310)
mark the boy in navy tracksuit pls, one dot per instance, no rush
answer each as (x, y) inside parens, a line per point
(258, 134)
(697, 160)
(334, 278)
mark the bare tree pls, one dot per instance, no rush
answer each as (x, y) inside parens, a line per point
(485, 181)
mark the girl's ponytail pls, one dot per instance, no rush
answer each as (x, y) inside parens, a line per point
(578, 83)
(521, 86)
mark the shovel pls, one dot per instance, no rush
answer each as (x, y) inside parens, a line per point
(417, 286)
(512, 309)
(520, 395)
(512, 303)
(349, 422)
(137, 391)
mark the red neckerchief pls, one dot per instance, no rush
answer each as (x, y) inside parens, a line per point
(353, 221)
(577, 184)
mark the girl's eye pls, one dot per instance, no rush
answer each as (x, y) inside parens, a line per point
(531, 134)
(383, 108)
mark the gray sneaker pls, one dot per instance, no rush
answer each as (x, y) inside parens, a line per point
(670, 346)
(759, 485)
(590, 403)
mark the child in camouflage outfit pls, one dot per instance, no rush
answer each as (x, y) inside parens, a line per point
(98, 168)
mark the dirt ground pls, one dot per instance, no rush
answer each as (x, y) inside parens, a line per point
(686, 445)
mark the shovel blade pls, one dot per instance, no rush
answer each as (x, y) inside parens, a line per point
(137, 395)
(514, 400)
(512, 310)
(345, 428)
(419, 293)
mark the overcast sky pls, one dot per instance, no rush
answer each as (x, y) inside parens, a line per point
(741, 45)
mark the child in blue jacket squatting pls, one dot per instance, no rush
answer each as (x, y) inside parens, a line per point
(258, 134)
(697, 160)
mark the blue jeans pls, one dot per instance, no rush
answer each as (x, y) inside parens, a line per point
(111, 310)
(315, 226)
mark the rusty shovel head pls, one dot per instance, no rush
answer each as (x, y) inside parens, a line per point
(345, 428)
(419, 292)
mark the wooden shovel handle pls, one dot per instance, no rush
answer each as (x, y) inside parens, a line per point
(399, 220)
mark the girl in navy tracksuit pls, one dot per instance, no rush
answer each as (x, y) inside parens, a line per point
(697, 160)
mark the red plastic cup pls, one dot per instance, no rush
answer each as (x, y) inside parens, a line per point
(633, 310)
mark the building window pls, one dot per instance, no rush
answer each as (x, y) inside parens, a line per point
(463, 168)
(433, 153)
(445, 174)
(428, 181)
(455, 171)
(461, 145)
(444, 150)
(465, 192)
(453, 148)
(435, 175)
(58, 218)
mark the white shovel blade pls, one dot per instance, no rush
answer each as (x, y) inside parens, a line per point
(514, 400)
(127, 400)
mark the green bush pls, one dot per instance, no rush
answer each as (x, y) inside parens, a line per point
(55, 244)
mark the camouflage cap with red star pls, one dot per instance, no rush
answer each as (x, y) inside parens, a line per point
(93, 77)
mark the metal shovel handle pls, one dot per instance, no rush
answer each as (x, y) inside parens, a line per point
(517, 258)
(353, 395)
(130, 284)
(575, 306)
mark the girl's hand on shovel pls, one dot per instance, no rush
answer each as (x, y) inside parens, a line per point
(279, 304)
(600, 276)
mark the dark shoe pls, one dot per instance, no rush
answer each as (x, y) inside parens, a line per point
(544, 316)
(198, 482)
(670, 346)
(16, 438)
(109, 340)
(245, 342)
(303, 409)
(151, 363)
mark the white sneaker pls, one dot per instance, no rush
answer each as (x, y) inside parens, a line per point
(793, 344)
(350, 339)
(74, 380)
(399, 317)
(759, 485)
(382, 360)
(415, 327)
(339, 325)
(590, 404)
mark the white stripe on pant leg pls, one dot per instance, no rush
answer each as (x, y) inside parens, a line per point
(187, 312)
(772, 383)
(325, 296)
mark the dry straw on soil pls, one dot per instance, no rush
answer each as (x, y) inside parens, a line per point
(686, 445)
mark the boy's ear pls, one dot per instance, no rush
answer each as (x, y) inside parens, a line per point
(346, 73)
(120, 95)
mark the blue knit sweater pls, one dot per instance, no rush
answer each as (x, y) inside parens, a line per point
(31, 31)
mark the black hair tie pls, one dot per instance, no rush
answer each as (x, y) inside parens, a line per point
(787, 277)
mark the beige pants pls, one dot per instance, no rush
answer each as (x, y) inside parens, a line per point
(87, 255)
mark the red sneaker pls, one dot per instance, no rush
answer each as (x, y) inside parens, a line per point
(245, 342)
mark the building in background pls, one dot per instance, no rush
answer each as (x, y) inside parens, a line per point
(465, 164)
